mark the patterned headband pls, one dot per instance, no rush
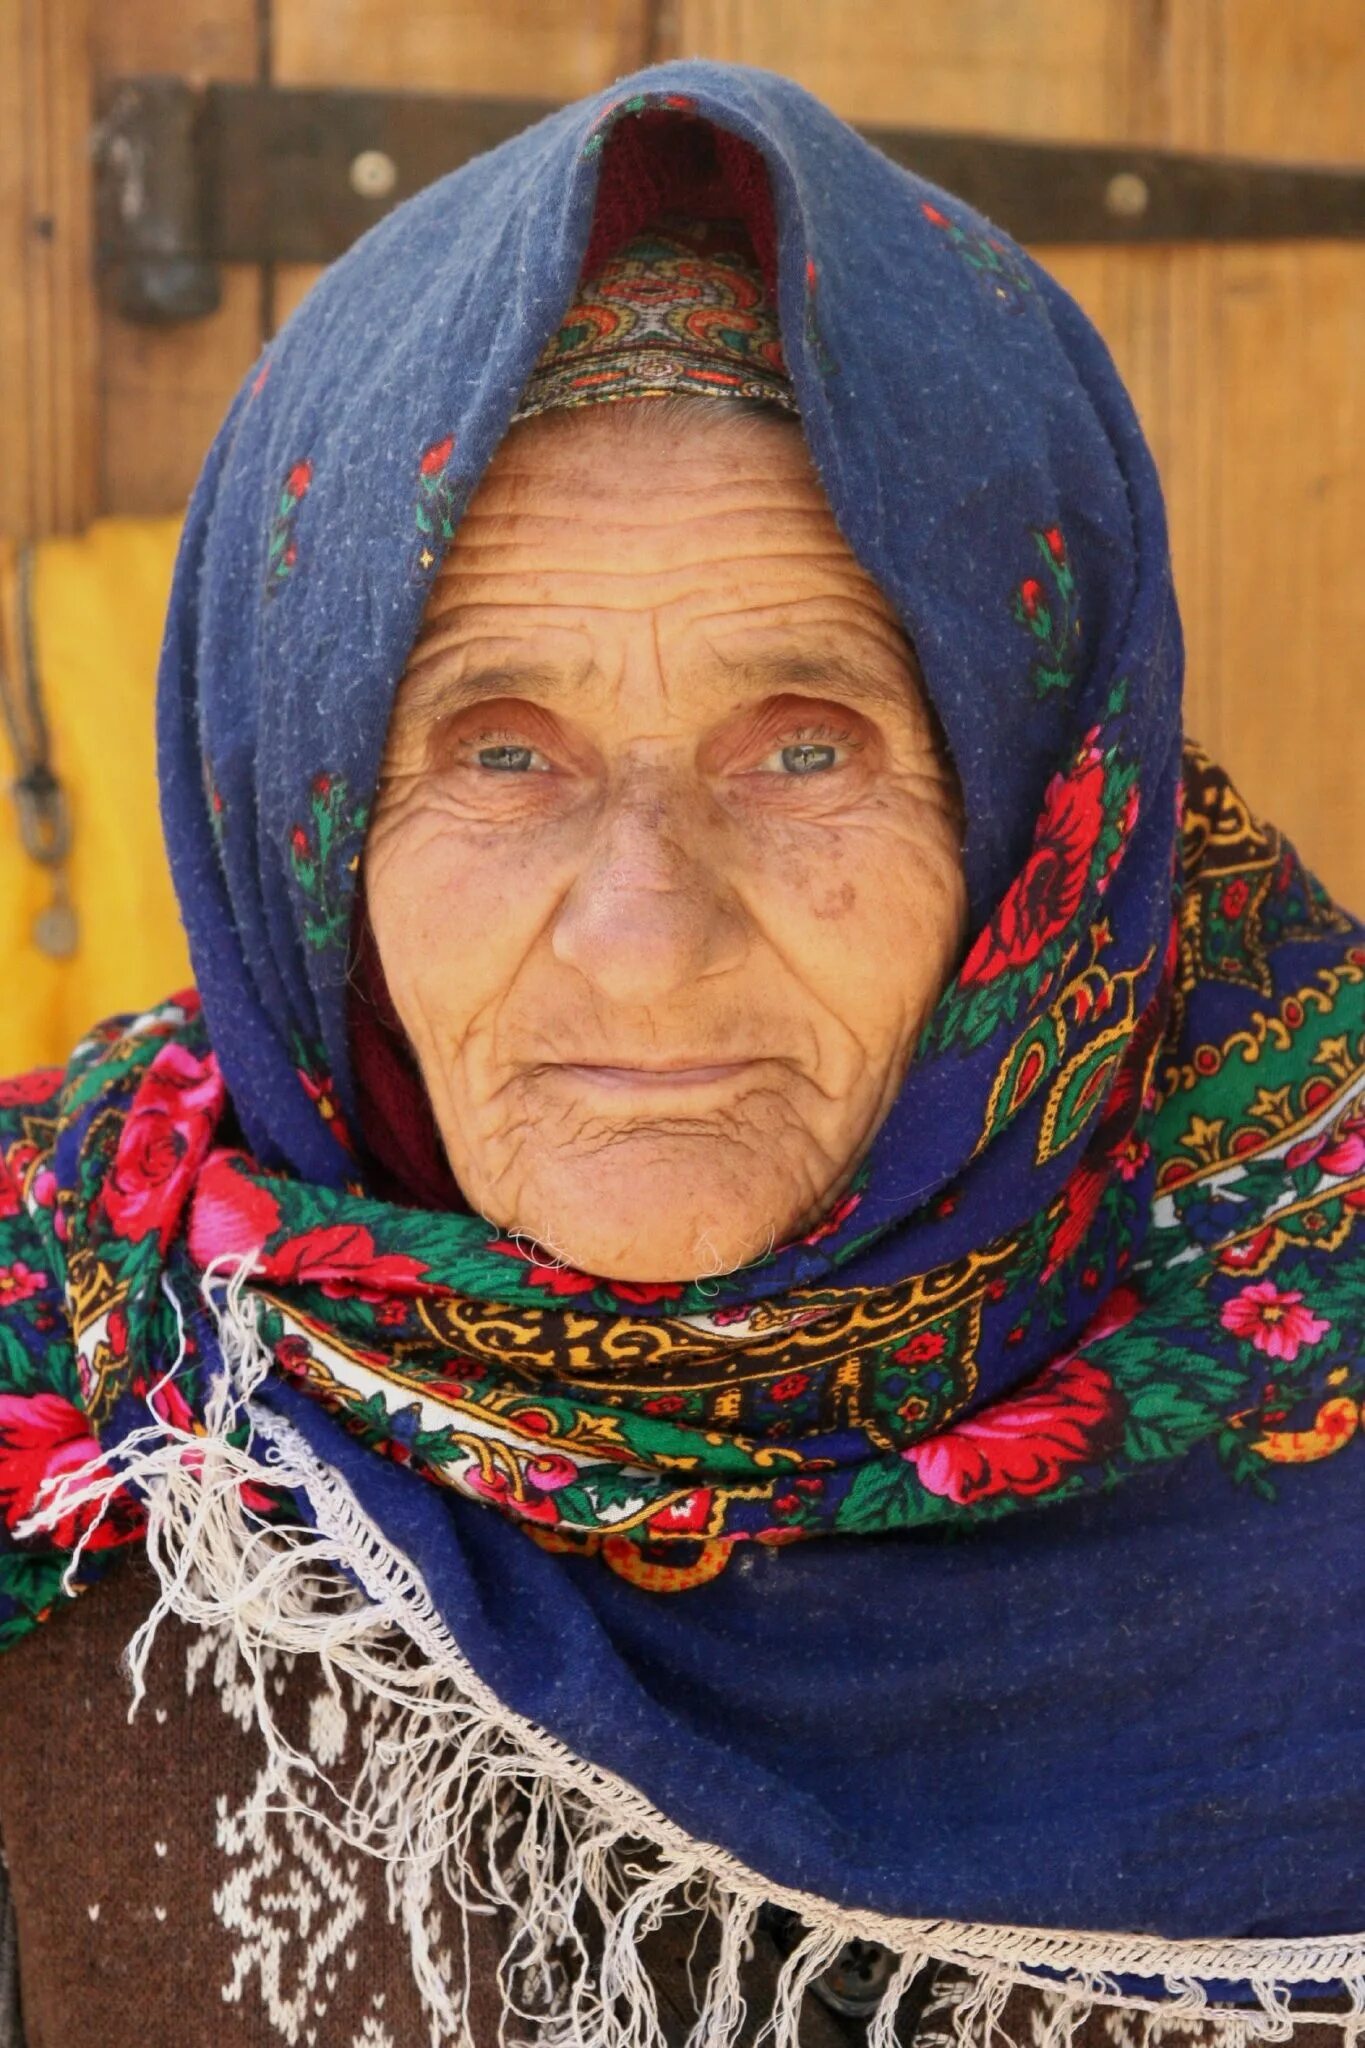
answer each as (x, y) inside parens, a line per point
(681, 308)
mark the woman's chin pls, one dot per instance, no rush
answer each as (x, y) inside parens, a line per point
(659, 1227)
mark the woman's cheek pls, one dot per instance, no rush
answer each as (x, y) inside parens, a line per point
(470, 894)
(870, 919)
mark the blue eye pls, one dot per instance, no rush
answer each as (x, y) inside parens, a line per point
(507, 759)
(808, 757)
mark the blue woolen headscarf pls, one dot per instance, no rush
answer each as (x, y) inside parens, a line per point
(1138, 1713)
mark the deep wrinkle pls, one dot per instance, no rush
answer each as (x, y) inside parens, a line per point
(603, 848)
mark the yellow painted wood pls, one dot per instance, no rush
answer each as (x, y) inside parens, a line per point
(98, 601)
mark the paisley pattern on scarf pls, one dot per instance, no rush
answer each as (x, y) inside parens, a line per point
(485, 1366)
(679, 309)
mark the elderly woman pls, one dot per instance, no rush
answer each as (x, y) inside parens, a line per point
(716, 1370)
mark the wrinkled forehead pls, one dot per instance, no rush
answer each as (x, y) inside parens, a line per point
(674, 534)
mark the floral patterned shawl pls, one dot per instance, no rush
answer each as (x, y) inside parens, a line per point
(1064, 1396)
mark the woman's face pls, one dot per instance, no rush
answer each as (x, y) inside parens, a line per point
(664, 871)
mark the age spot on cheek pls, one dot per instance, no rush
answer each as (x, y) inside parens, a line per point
(840, 902)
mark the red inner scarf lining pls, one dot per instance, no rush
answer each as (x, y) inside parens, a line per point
(402, 1146)
(653, 165)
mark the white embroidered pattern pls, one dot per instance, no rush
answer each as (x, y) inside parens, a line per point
(290, 1906)
(292, 1898)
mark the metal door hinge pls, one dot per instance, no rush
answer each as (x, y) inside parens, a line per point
(190, 178)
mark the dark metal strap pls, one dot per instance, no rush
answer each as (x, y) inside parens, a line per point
(191, 179)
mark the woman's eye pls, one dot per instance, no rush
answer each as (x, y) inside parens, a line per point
(808, 757)
(508, 759)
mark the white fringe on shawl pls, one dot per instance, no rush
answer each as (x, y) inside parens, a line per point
(583, 1863)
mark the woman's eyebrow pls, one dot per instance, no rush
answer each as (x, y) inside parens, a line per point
(439, 686)
(848, 673)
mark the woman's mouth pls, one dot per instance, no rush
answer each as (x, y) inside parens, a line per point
(656, 1079)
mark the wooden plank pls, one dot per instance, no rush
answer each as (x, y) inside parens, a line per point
(557, 49)
(1041, 68)
(1288, 418)
(1281, 81)
(48, 462)
(1267, 403)
(163, 391)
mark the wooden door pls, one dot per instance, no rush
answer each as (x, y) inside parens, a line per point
(1247, 361)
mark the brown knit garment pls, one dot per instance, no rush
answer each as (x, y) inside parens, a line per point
(153, 1912)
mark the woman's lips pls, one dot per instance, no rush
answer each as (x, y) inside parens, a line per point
(655, 1080)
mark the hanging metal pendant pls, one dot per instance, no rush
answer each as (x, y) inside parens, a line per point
(56, 930)
(43, 811)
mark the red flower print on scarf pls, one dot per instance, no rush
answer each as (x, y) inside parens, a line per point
(1132, 1156)
(19, 1283)
(170, 1404)
(550, 1471)
(31, 1091)
(1247, 1251)
(686, 1517)
(10, 1204)
(437, 508)
(642, 1292)
(1024, 1444)
(922, 1349)
(1114, 1313)
(163, 1142)
(231, 1215)
(1081, 1199)
(835, 1220)
(343, 1260)
(1346, 1153)
(1274, 1320)
(282, 550)
(1042, 900)
(496, 1488)
(43, 1437)
(1339, 1152)
(320, 1087)
(437, 456)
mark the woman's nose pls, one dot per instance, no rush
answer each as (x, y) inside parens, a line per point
(648, 915)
